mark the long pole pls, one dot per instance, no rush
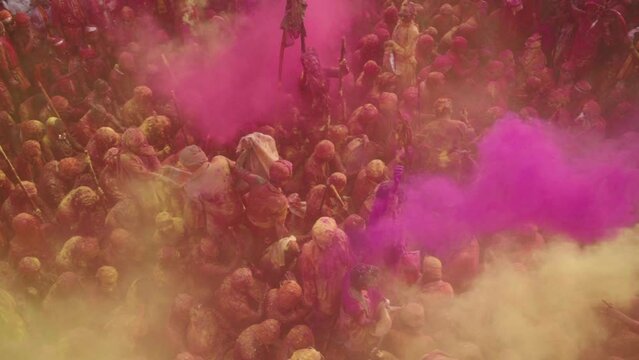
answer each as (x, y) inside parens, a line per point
(342, 57)
(37, 210)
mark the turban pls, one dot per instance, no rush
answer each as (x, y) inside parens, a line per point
(31, 148)
(106, 137)
(435, 78)
(29, 265)
(325, 150)
(241, 278)
(375, 169)
(141, 92)
(55, 124)
(338, 180)
(408, 9)
(459, 44)
(70, 168)
(354, 223)
(390, 15)
(85, 197)
(432, 31)
(425, 42)
(134, 140)
(442, 63)
(382, 34)
(432, 268)
(337, 133)
(31, 190)
(369, 41)
(324, 231)
(371, 68)
(107, 274)
(280, 171)
(368, 112)
(192, 157)
(60, 103)
(288, 293)
(300, 337)
(120, 237)
(388, 103)
(24, 223)
(268, 331)
(86, 248)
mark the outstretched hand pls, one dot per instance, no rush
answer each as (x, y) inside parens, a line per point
(398, 173)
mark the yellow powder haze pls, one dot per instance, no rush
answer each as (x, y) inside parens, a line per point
(547, 311)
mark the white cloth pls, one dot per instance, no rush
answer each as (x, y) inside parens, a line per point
(211, 190)
(256, 153)
(276, 253)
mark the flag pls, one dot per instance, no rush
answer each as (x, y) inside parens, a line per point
(293, 22)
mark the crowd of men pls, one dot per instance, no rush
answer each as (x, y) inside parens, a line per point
(120, 220)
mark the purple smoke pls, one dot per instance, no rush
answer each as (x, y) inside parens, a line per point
(529, 173)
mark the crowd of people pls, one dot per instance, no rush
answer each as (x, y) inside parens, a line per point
(120, 219)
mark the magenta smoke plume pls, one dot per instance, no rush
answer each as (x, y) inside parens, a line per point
(237, 88)
(529, 173)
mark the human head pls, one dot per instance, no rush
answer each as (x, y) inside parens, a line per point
(107, 277)
(375, 170)
(371, 69)
(31, 149)
(338, 180)
(443, 106)
(388, 103)
(242, 279)
(280, 172)
(268, 331)
(408, 12)
(288, 295)
(133, 140)
(29, 266)
(192, 157)
(363, 276)
(299, 337)
(25, 225)
(70, 168)
(126, 62)
(85, 197)
(431, 269)
(324, 232)
(105, 137)
(324, 151)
